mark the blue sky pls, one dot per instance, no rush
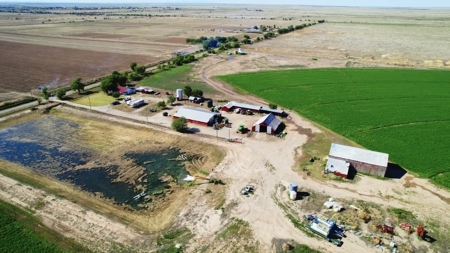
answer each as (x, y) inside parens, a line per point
(363, 3)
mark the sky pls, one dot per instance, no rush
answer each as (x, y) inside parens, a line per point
(361, 3)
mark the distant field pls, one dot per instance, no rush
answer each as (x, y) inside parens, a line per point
(176, 78)
(26, 66)
(405, 113)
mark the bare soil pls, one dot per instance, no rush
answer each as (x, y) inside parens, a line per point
(55, 66)
(173, 40)
(99, 36)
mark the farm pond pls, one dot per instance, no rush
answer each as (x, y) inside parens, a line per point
(51, 146)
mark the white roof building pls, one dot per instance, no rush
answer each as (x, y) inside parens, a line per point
(196, 115)
(359, 154)
(268, 124)
(232, 104)
(338, 167)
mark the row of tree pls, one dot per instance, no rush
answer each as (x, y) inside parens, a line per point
(216, 42)
(183, 59)
(292, 28)
(192, 92)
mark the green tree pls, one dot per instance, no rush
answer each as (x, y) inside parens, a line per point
(107, 85)
(115, 94)
(140, 70)
(60, 93)
(246, 36)
(197, 93)
(180, 124)
(246, 41)
(45, 93)
(273, 106)
(118, 78)
(77, 85)
(133, 66)
(171, 99)
(161, 104)
(133, 76)
(187, 90)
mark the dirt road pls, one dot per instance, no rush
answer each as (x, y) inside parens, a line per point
(248, 163)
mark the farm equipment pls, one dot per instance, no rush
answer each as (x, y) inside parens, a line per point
(324, 228)
(421, 232)
(236, 140)
(385, 229)
(241, 128)
(247, 190)
(406, 227)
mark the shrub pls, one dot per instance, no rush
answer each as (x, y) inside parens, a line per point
(180, 124)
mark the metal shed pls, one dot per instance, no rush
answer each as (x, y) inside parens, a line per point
(362, 160)
(268, 124)
(233, 105)
(197, 116)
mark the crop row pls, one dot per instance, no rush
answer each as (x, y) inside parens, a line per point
(14, 237)
(403, 112)
(21, 231)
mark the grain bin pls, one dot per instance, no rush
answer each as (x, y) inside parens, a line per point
(209, 103)
(179, 94)
(293, 186)
(293, 195)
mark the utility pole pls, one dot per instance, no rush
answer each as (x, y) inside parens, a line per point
(90, 107)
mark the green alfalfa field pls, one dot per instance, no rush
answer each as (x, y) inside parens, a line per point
(402, 112)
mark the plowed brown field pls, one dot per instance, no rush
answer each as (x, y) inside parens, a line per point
(27, 66)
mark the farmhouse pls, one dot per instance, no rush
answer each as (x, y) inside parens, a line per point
(267, 124)
(232, 105)
(198, 116)
(362, 160)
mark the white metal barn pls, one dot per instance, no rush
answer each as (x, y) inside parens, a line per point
(267, 124)
(363, 160)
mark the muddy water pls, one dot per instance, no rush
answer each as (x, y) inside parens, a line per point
(50, 146)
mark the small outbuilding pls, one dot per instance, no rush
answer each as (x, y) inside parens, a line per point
(196, 100)
(198, 116)
(267, 124)
(337, 167)
(362, 160)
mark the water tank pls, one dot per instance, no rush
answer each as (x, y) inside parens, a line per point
(293, 195)
(209, 103)
(179, 95)
(293, 187)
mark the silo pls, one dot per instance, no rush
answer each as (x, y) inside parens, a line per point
(179, 94)
(293, 186)
(209, 103)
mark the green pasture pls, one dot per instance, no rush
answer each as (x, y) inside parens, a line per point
(97, 99)
(403, 112)
(176, 78)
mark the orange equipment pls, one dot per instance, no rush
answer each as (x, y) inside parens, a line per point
(421, 232)
(406, 227)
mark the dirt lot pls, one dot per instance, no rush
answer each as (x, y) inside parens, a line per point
(173, 40)
(374, 37)
(54, 66)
